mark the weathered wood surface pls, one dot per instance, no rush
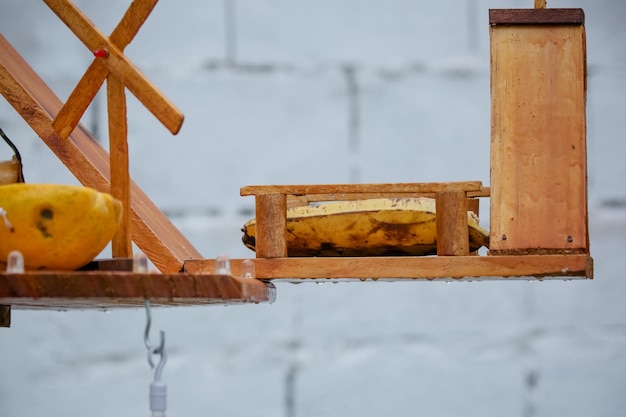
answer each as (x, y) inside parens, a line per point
(108, 289)
(152, 231)
(538, 143)
(412, 267)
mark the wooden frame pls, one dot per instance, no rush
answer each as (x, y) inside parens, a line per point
(538, 190)
(453, 261)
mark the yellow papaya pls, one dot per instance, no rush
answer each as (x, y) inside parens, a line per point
(55, 226)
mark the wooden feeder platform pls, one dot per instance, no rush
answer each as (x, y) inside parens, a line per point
(537, 196)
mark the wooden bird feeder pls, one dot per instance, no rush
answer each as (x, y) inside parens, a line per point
(538, 191)
(538, 187)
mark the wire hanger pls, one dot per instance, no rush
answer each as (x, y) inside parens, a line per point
(158, 389)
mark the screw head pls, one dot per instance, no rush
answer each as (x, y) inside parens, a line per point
(101, 53)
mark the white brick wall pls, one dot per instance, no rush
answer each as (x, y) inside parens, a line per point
(278, 91)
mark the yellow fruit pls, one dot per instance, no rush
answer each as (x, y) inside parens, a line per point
(56, 227)
(376, 227)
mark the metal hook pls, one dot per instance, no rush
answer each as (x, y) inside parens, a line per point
(159, 350)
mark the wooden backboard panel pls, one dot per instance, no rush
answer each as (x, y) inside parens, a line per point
(538, 136)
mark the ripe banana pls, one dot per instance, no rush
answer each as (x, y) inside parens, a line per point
(56, 227)
(375, 227)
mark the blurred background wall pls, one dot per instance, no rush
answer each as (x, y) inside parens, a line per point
(288, 92)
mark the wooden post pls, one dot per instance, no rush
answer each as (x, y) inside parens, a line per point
(271, 225)
(538, 136)
(121, 244)
(452, 232)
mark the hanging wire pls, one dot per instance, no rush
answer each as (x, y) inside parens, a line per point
(158, 389)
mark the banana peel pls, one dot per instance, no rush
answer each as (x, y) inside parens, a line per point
(374, 227)
(54, 226)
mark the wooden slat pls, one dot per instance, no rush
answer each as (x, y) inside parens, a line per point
(117, 63)
(402, 268)
(108, 289)
(152, 231)
(330, 189)
(69, 115)
(121, 245)
(537, 16)
(538, 144)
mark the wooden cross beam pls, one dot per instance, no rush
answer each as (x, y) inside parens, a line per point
(115, 62)
(111, 64)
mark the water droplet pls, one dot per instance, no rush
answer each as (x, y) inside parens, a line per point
(222, 265)
(140, 263)
(15, 262)
(247, 269)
